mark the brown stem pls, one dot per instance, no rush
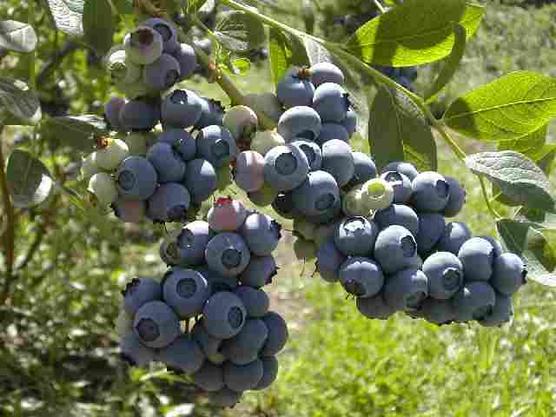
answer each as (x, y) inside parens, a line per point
(9, 236)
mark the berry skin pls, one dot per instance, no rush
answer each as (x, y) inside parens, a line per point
(256, 301)
(166, 30)
(456, 198)
(241, 121)
(361, 277)
(261, 233)
(270, 372)
(266, 103)
(364, 169)
(509, 273)
(129, 211)
(296, 89)
(169, 203)
(350, 122)
(277, 334)
(331, 102)
(139, 142)
(140, 291)
(187, 59)
(329, 260)
(181, 140)
(209, 378)
(192, 242)
(216, 144)
(186, 291)
(404, 168)
(103, 187)
(438, 311)
(162, 73)
(374, 307)
(401, 185)
(337, 159)
(183, 354)
(210, 346)
(331, 131)
(299, 122)
(312, 152)
(224, 315)
(249, 171)
(356, 236)
(167, 162)
(227, 254)
(200, 179)
(245, 346)
(112, 110)
(431, 228)
(406, 289)
(430, 192)
(226, 215)
(143, 45)
(317, 194)
(181, 109)
(395, 249)
(218, 282)
(399, 214)
(477, 257)
(156, 324)
(455, 234)
(139, 115)
(286, 167)
(225, 398)
(376, 194)
(241, 378)
(259, 272)
(474, 301)
(265, 140)
(445, 273)
(212, 113)
(325, 72)
(501, 313)
(134, 352)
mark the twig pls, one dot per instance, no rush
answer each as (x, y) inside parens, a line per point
(379, 6)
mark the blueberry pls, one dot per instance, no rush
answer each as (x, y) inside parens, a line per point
(430, 192)
(183, 354)
(181, 109)
(169, 252)
(296, 89)
(218, 282)
(200, 179)
(167, 162)
(498, 249)
(356, 236)
(323, 233)
(284, 205)
(331, 131)
(136, 178)
(112, 110)
(263, 197)
(259, 272)
(169, 203)
(255, 300)
(364, 169)
(299, 122)
(374, 307)
(181, 140)
(286, 167)
(477, 257)
(265, 140)
(241, 121)
(401, 185)
(312, 152)
(224, 397)
(361, 277)
(431, 229)
(216, 144)
(277, 334)
(245, 346)
(143, 45)
(210, 377)
(227, 254)
(317, 194)
(266, 103)
(270, 372)
(406, 289)
(134, 352)
(475, 301)
(210, 346)
(186, 291)
(139, 142)
(399, 214)
(326, 72)
(162, 73)
(445, 273)
(192, 242)
(211, 114)
(403, 168)
(328, 216)
(166, 30)
(140, 291)
(501, 313)
(438, 311)
(509, 273)
(337, 159)
(139, 115)
(129, 211)
(249, 171)
(103, 187)
(331, 102)
(241, 378)
(455, 234)
(350, 122)
(226, 215)
(156, 324)
(224, 315)
(329, 260)
(456, 198)
(395, 249)
(261, 233)
(187, 58)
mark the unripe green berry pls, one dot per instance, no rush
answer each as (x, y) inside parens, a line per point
(120, 69)
(241, 121)
(139, 142)
(265, 140)
(103, 187)
(111, 154)
(88, 167)
(304, 228)
(378, 194)
(354, 203)
(266, 103)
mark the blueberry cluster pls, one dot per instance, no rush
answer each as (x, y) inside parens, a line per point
(217, 269)
(405, 76)
(404, 256)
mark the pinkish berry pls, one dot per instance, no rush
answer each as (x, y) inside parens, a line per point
(226, 215)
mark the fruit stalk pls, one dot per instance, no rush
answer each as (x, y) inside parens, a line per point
(9, 234)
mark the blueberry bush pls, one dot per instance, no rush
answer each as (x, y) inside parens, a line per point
(128, 125)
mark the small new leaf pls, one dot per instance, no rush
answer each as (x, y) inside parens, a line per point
(18, 101)
(29, 181)
(17, 36)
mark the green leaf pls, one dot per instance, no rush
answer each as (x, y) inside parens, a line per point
(240, 32)
(536, 244)
(124, 6)
(398, 131)
(415, 33)
(509, 108)
(17, 36)
(98, 25)
(77, 132)
(68, 15)
(316, 52)
(279, 54)
(516, 175)
(451, 65)
(29, 181)
(19, 101)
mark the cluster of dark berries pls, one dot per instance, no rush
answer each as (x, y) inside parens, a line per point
(216, 273)
(406, 257)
